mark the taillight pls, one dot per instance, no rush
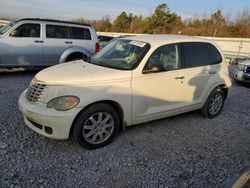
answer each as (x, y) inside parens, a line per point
(97, 47)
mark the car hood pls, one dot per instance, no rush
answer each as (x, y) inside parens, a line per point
(80, 72)
(247, 62)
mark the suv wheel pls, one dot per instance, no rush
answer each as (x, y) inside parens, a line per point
(214, 104)
(74, 57)
(96, 126)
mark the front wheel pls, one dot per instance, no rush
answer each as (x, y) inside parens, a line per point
(96, 126)
(214, 104)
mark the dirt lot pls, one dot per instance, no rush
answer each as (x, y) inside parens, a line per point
(183, 151)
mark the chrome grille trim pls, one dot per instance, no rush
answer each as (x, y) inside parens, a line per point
(35, 91)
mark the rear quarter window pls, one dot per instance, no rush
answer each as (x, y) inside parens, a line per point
(214, 54)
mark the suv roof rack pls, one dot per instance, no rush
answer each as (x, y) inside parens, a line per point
(51, 20)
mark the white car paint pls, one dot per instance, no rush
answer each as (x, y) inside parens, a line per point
(142, 97)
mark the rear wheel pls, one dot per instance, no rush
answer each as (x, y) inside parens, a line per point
(96, 126)
(214, 104)
(74, 57)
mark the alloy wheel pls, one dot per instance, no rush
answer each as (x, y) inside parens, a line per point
(98, 128)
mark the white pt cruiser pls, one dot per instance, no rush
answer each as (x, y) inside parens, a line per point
(130, 81)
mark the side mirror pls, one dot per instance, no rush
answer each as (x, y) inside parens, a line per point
(153, 69)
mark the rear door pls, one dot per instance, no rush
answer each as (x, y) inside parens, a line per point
(23, 46)
(56, 41)
(198, 69)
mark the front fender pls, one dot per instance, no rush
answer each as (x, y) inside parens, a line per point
(72, 50)
(88, 94)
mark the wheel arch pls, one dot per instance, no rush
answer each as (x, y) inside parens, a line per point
(113, 104)
(73, 50)
(224, 88)
(204, 110)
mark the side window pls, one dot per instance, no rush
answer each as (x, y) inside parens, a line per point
(57, 32)
(166, 57)
(87, 34)
(27, 30)
(80, 33)
(214, 54)
(196, 54)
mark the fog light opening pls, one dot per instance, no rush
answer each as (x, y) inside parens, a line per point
(48, 130)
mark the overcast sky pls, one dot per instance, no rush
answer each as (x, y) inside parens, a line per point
(96, 9)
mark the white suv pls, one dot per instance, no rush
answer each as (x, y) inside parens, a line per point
(130, 81)
(43, 42)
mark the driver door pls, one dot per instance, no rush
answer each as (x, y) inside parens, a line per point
(162, 93)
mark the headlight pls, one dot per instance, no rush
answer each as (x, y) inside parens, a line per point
(240, 67)
(63, 103)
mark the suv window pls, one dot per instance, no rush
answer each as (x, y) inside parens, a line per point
(166, 57)
(27, 30)
(80, 33)
(196, 54)
(57, 32)
(214, 54)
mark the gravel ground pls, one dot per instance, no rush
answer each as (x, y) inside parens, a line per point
(183, 151)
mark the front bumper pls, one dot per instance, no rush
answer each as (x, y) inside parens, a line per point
(47, 121)
(241, 76)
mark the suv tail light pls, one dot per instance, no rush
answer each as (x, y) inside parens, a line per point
(97, 47)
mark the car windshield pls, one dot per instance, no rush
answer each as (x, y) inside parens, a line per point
(5, 28)
(121, 54)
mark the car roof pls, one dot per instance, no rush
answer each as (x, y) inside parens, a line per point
(167, 38)
(51, 20)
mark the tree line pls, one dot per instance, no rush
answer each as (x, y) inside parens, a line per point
(163, 21)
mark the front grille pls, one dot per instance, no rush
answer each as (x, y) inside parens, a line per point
(247, 69)
(35, 91)
(246, 78)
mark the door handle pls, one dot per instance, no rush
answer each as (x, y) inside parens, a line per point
(212, 72)
(68, 42)
(179, 77)
(38, 41)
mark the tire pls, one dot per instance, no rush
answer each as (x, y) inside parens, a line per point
(74, 57)
(214, 104)
(96, 126)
